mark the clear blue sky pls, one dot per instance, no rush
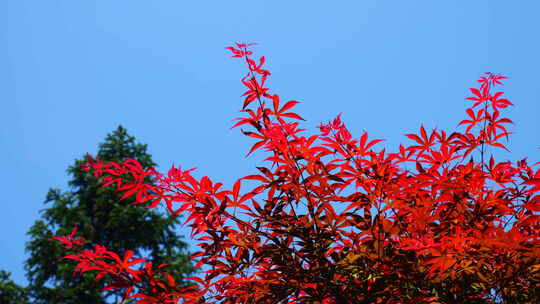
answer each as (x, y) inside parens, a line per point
(72, 70)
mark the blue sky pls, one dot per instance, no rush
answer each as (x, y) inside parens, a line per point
(71, 71)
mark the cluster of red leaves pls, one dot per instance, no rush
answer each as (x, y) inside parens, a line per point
(332, 220)
(142, 283)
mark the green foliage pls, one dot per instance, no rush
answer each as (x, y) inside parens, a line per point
(102, 218)
(10, 292)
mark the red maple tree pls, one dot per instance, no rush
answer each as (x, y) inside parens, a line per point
(332, 219)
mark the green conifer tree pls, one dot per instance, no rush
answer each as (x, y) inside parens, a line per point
(101, 219)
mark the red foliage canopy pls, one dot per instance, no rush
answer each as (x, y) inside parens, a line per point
(331, 219)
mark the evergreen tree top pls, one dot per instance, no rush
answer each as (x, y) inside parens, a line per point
(102, 219)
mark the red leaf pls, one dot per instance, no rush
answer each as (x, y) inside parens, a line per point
(288, 105)
(292, 115)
